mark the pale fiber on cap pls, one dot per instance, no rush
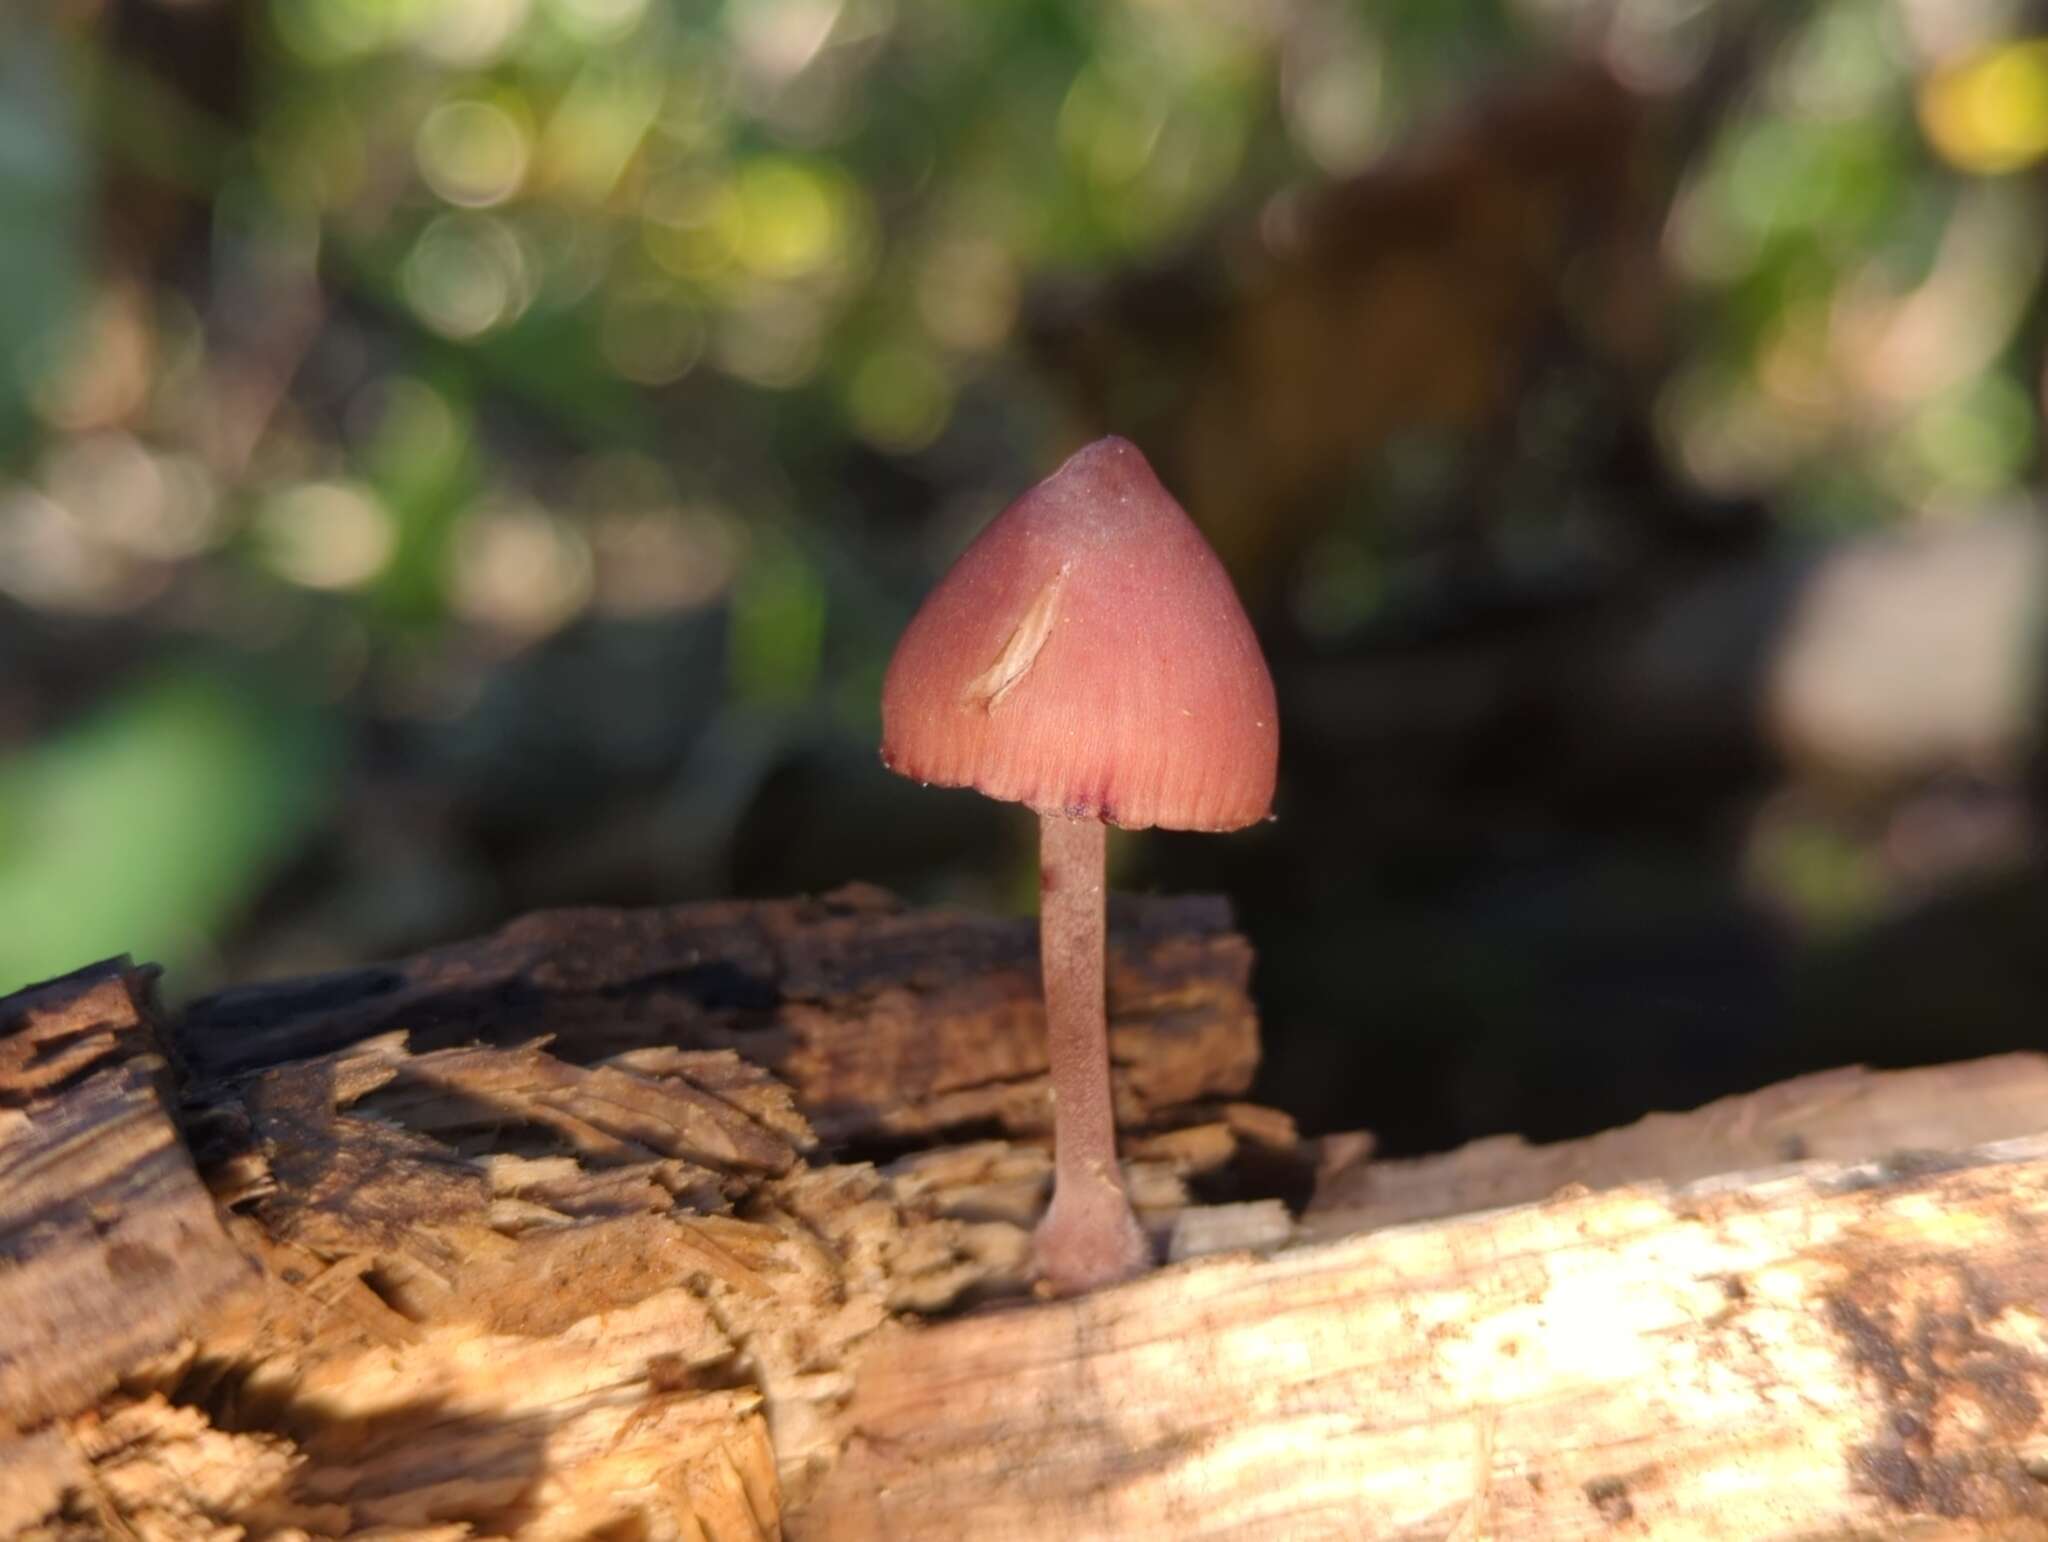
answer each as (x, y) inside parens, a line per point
(1087, 656)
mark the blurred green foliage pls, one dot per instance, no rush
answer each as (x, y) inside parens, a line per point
(143, 827)
(410, 333)
(44, 189)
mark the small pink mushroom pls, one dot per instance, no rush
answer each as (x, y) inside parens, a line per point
(1088, 658)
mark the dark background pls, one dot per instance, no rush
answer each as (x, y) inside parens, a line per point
(460, 456)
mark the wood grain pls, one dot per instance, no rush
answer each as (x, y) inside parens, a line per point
(1838, 1351)
(1845, 1115)
(109, 1246)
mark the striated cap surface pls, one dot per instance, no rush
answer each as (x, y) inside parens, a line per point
(1087, 656)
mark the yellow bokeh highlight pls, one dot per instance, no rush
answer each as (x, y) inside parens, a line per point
(777, 218)
(792, 219)
(1989, 114)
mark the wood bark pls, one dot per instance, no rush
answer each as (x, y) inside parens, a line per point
(108, 1243)
(885, 1023)
(543, 1236)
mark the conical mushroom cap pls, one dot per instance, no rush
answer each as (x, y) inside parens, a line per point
(1087, 656)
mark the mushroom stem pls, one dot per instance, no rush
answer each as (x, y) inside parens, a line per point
(1089, 1236)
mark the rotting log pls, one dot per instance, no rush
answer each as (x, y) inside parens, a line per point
(542, 1236)
(884, 1022)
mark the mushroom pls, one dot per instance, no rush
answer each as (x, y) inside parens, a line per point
(1087, 657)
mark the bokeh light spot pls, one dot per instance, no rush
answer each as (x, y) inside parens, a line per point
(694, 226)
(1990, 114)
(47, 558)
(658, 560)
(472, 153)
(96, 369)
(899, 399)
(599, 21)
(1978, 439)
(123, 495)
(326, 535)
(1844, 63)
(465, 275)
(409, 432)
(775, 342)
(331, 32)
(470, 33)
(792, 223)
(518, 569)
(967, 294)
(1332, 91)
(651, 336)
(1728, 435)
(776, 40)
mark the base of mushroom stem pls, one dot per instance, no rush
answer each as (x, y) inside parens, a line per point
(1089, 1238)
